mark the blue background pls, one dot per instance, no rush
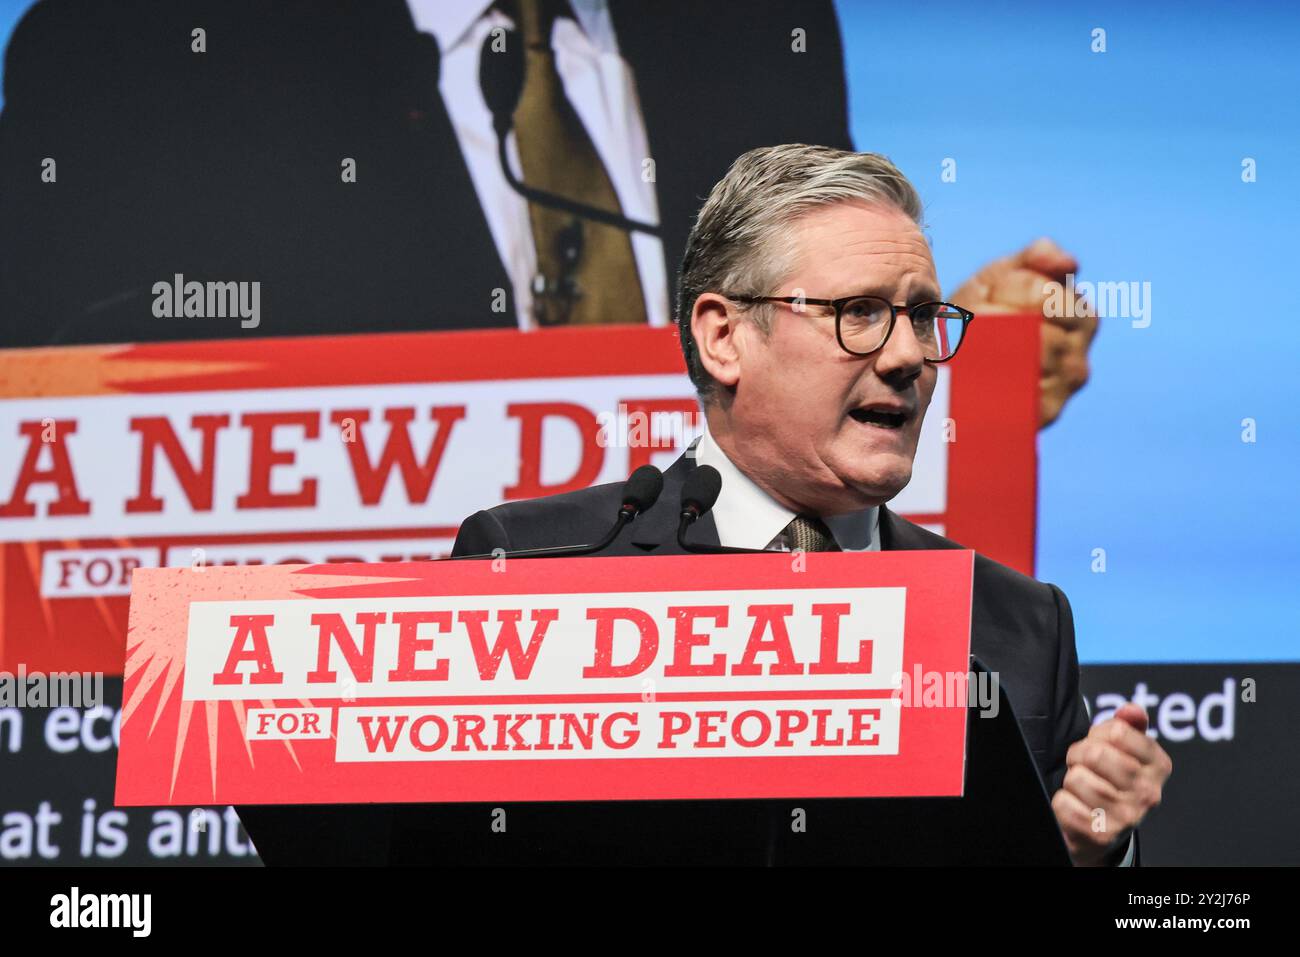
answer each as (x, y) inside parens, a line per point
(1130, 159)
(10, 12)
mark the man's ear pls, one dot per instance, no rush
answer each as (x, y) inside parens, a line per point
(714, 326)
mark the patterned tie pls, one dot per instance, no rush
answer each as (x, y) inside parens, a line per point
(602, 284)
(809, 533)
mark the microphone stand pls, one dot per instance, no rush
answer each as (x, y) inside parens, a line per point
(555, 201)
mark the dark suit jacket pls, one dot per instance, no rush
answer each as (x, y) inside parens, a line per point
(1022, 629)
(225, 165)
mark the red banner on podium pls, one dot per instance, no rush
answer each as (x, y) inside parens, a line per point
(738, 676)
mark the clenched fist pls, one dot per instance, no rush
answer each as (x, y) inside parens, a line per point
(1019, 283)
(1113, 777)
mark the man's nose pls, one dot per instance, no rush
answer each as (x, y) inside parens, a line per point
(902, 356)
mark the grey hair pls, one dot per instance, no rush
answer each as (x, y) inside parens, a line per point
(740, 241)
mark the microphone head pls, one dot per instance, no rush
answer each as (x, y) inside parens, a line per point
(643, 488)
(701, 489)
(501, 77)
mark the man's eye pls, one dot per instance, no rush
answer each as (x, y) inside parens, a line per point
(865, 311)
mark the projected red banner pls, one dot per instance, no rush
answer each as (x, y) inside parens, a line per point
(374, 448)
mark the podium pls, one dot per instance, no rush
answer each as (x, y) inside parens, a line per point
(754, 711)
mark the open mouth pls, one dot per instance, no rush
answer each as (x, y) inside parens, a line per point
(880, 418)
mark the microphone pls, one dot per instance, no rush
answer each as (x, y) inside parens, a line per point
(641, 490)
(699, 494)
(501, 78)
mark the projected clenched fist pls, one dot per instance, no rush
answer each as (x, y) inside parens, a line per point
(1026, 282)
(1114, 777)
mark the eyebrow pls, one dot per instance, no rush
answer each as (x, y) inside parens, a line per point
(925, 294)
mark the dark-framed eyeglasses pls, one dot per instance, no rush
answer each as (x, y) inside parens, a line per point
(863, 323)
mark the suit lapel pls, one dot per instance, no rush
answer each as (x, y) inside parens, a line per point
(898, 534)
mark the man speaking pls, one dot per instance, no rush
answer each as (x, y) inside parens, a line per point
(811, 321)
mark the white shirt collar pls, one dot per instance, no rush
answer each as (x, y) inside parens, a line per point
(747, 517)
(450, 20)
